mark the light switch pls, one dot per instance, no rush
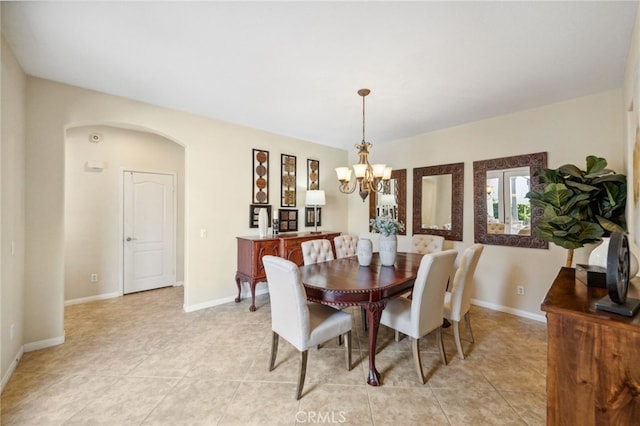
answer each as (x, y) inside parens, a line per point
(203, 233)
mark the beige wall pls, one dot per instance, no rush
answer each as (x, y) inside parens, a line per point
(93, 233)
(12, 227)
(631, 105)
(568, 131)
(218, 181)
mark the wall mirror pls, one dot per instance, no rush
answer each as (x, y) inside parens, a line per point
(503, 215)
(438, 199)
(392, 200)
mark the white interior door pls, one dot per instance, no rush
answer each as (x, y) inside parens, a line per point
(149, 231)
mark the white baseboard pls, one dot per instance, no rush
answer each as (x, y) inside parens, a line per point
(244, 295)
(179, 284)
(92, 298)
(12, 368)
(512, 311)
(41, 344)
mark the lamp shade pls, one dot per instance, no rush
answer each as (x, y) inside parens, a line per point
(386, 200)
(315, 198)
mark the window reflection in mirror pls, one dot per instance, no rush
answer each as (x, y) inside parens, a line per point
(436, 202)
(392, 199)
(506, 201)
(502, 214)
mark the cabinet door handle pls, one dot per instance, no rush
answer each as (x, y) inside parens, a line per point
(131, 239)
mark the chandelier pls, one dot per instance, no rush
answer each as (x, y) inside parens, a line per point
(369, 179)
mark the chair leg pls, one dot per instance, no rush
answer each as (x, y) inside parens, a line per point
(456, 337)
(415, 346)
(467, 323)
(397, 335)
(274, 350)
(363, 311)
(303, 372)
(347, 348)
(443, 355)
(339, 339)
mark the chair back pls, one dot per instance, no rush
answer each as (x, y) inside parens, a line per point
(425, 244)
(427, 302)
(289, 310)
(315, 251)
(463, 281)
(346, 245)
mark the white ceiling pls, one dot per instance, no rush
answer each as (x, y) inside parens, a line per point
(294, 68)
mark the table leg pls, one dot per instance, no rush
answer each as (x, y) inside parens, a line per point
(374, 312)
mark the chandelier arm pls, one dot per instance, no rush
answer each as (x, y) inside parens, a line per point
(346, 187)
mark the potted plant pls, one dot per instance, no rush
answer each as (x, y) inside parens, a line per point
(388, 228)
(580, 206)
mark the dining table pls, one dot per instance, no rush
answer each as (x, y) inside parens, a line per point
(343, 282)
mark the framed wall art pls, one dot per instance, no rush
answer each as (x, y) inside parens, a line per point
(288, 220)
(254, 210)
(309, 216)
(260, 177)
(313, 174)
(288, 184)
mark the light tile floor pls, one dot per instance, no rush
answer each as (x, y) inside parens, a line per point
(140, 360)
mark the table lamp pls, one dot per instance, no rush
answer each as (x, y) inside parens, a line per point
(315, 198)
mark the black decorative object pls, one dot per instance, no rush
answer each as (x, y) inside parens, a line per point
(618, 279)
(592, 275)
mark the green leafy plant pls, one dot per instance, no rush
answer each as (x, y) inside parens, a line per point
(386, 225)
(580, 206)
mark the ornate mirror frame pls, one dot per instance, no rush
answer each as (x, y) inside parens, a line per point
(401, 181)
(535, 162)
(456, 170)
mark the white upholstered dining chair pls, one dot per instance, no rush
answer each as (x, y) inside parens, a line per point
(304, 325)
(424, 244)
(319, 250)
(315, 251)
(346, 245)
(422, 314)
(458, 301)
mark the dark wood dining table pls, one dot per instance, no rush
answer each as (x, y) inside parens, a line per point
(343, 282)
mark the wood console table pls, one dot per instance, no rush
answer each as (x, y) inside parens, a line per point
(251, 250)
(593, 370)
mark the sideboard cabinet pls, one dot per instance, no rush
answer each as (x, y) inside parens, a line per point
(593, 372)
(251, 250)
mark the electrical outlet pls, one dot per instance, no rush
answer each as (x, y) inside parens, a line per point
(94, 278)
(520, 290)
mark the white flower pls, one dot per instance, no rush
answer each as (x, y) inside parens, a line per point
(386, 225)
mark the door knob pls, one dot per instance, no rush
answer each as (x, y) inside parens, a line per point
(130, 239)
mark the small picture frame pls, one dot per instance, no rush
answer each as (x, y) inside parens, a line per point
(288, 220)
(313, 174)
(309, 216)
(254, 210)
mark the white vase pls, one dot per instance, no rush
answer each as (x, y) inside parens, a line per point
(598, 257)
(388, 247)
(263, 223)
(365, 251)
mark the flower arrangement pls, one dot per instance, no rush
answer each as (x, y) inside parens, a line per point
(386, 225)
